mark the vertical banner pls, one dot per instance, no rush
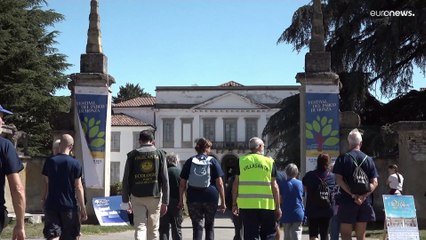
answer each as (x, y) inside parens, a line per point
(91, 107)
(401, 220)
(322, 124)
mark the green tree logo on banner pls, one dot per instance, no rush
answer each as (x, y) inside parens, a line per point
(91, 130)
(321, 131)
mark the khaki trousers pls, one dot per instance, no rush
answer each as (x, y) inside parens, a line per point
(146, 217)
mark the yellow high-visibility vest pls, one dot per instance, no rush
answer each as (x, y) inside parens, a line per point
(254, 188)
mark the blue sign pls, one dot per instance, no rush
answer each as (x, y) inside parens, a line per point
(399, 206)
(109, 212)
(401, 220)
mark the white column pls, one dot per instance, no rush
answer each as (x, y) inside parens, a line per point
(178, 132)
(241, 129)
(219, 129)
(261, 124)
(196, 126)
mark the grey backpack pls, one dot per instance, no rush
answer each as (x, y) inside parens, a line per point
(199, 175)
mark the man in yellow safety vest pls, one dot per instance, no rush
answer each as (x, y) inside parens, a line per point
(255, 196)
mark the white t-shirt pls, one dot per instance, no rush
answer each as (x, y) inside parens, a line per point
(394, 184)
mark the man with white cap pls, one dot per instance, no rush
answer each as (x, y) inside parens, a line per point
(10, 166)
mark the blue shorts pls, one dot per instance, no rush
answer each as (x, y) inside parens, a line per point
(352, 213)
(65, 224)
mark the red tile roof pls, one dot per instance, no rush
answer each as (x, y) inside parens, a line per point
(137, 102)
(121, 119)
(231, 84)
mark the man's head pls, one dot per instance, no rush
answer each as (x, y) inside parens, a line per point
(55, 146)
(355, 139)
(172, 159)
(66, 143)
(146, 136)
(2, 113)
(256, 145)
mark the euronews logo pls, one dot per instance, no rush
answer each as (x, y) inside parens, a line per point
(392, 13)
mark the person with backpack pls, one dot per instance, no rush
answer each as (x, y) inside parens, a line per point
(318, 184)
(395, 180)
(201, 179)
(356, 174)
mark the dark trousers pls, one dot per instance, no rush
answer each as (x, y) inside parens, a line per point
(258, 224)
(4, 219)
(173, 219)
(318, 226)
(199, 211)
(238, 224)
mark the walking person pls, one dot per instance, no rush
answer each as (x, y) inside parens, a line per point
(146, 187)
(255, 195)
(334, 228)
(355, 208)
(293, 212)
(11, 165)
(201, 179)
(62, 193)
(318, 184)
(395, 180)
(236, 220)
(173, 218)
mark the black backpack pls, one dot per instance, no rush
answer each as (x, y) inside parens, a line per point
(361, 183)
(322, 196)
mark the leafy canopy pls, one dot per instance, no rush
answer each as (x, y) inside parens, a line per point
(385, 48)
(31, 69)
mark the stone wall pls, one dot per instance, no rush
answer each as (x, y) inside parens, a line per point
(412, 162)
(31, 179)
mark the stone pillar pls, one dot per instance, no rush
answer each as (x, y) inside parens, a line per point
(93, 77)
(412, 163)
(318, 78)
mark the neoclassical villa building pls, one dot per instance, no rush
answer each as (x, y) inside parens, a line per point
(229, 115)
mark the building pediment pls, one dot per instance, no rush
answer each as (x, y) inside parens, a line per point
(229, 101)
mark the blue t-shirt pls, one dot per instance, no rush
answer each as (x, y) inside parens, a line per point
(311, 181)
(9, 163)
(291, 191)
(345, 167)
(62, 171)
(209, 194)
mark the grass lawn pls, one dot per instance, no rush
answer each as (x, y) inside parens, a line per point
(36, 230)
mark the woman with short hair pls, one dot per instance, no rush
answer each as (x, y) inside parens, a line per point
(291, 191)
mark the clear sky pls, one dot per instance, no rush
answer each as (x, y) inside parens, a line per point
(185, 42)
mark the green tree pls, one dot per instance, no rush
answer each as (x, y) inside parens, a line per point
(382, 50)
(128, 92)
(283, 129)
(31, 69)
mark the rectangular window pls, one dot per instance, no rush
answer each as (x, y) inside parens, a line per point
(136, 143)
(115, 172)
(209, 128)
(115, 141)
(168, 133)
(187, 133)
(251, 128)
(230, 132)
